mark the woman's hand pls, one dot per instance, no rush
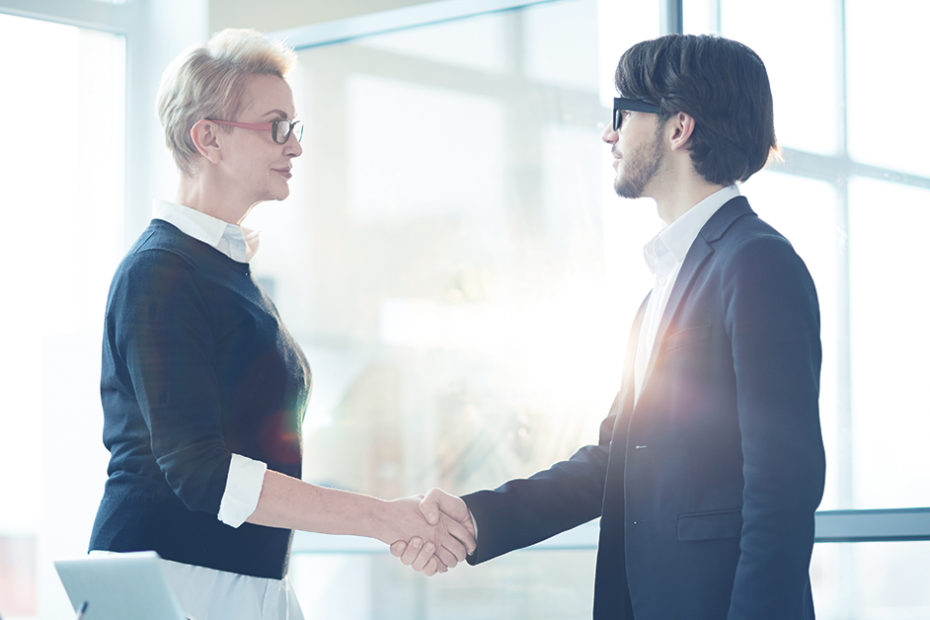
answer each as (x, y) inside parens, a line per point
(442, 509)
(430, 547)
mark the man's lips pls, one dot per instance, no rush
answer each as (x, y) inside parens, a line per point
(285, 172)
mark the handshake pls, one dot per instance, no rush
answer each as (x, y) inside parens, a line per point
(430, 533)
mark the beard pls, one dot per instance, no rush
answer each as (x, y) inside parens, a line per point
(639, 168)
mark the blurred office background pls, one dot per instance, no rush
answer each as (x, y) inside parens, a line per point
(456, 265)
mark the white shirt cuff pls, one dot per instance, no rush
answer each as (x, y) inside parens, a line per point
(243, 488)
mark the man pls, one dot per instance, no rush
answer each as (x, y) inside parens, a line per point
(710, 464)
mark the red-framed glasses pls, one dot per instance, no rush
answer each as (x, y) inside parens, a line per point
(281, 128)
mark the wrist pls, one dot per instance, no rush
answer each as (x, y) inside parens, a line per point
(382, 520)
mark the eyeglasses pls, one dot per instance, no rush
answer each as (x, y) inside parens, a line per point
(636, 105)
(281, 128)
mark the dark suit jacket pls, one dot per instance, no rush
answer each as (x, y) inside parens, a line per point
(707, 488)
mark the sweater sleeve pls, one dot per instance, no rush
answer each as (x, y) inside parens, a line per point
(160, 328)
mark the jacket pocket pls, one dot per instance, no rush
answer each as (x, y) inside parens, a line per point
(710, 525)
(687, 336)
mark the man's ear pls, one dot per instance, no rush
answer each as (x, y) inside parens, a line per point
(207, 140)
(682, 126)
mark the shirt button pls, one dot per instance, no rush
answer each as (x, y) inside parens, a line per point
(661, 280)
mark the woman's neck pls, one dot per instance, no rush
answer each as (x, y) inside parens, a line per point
(203, 194)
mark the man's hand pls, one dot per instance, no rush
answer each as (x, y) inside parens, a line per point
(435, 546)
(436, 507)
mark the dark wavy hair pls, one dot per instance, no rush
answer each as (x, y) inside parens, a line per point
(722, 84)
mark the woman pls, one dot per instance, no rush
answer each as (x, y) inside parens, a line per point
(203, 388)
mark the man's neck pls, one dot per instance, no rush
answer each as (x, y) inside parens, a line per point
(674, 200)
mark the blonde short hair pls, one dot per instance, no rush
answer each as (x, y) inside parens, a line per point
(209, 81)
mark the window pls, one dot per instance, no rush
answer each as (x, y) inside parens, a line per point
(852, 195)
(461, 274)
(425, 294)
(446, 258)
(62, 163)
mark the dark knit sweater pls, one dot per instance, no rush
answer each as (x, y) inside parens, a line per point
(197, 366)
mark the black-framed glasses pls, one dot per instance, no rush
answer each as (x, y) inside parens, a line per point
(635, 105)
(281, 128)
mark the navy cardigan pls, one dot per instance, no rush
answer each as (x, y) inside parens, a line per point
(197, 365)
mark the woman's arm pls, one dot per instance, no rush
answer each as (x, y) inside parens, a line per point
(293, 504)
(160, 333)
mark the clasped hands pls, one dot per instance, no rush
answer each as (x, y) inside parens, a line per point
(433, 532)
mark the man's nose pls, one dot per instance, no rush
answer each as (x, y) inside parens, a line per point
(609, 135)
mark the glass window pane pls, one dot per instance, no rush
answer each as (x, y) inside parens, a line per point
(457, 266)
(867, 581)
(542, 585)
(701, 16)
(554, 54)
(804, 78)
(886, 54)
(888, 306)
(620, 25)
(414, 183)
(64, 236)
(479, 44)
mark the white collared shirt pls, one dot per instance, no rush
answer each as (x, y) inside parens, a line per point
(664, 256)
(236, 242)
(245, 478)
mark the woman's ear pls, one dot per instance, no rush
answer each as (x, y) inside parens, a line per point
(207, 140)
(682, 128)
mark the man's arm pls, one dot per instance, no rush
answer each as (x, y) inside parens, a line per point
(517, 514)
(772, 318)
(523, 512)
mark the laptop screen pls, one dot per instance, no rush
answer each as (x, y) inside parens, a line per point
(120, 586)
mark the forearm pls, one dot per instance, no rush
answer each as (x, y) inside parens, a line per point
(290, 503)
(521, 513)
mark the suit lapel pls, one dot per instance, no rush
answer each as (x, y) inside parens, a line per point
(700, 251)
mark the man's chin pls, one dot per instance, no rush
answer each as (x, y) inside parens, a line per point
(625, 190)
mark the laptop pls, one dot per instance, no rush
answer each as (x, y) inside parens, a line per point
(125, 586)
